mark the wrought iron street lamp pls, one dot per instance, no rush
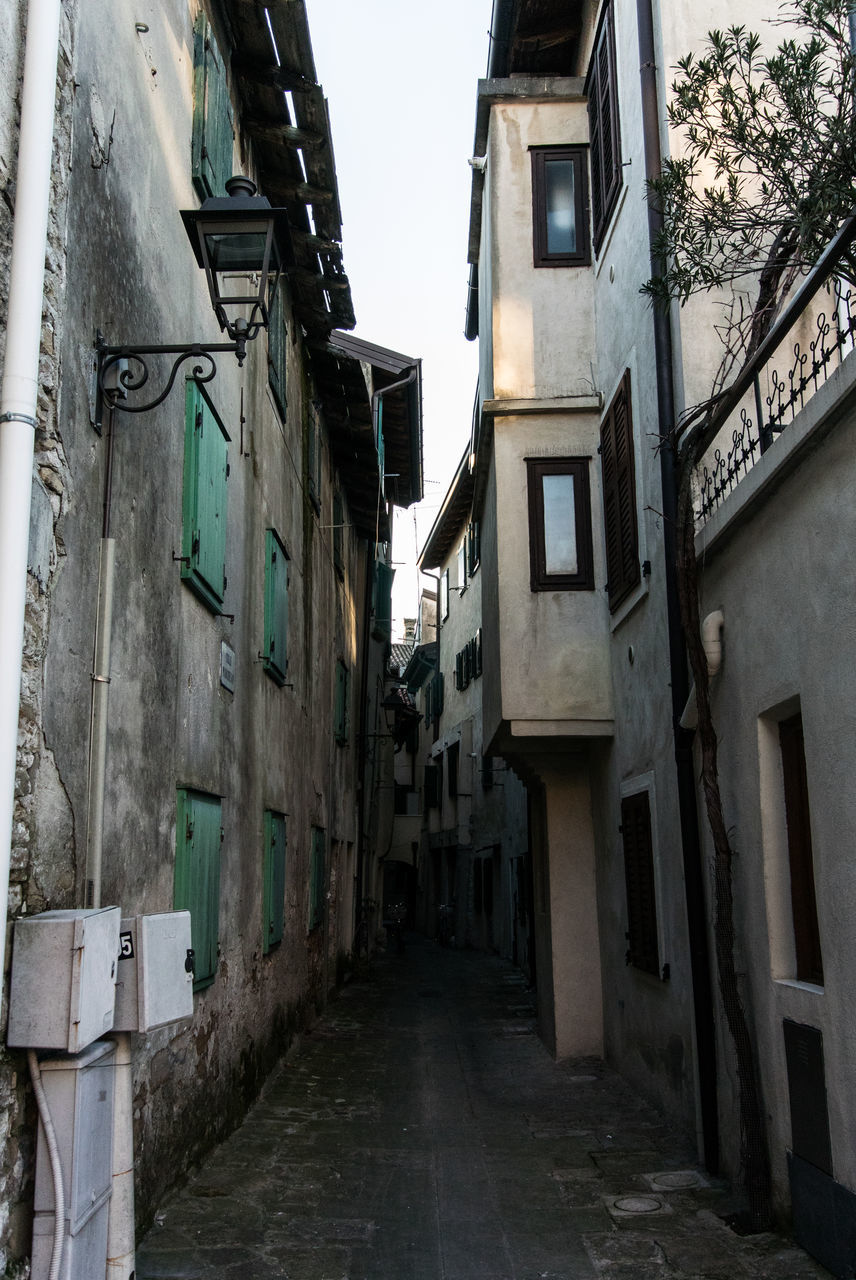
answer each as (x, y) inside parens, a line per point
(243, 245)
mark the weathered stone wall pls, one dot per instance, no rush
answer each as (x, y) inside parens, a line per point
(38, 880)
(118, 260)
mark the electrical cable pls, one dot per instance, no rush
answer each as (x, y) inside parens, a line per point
(56, 1166)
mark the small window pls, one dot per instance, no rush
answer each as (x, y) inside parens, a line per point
(477, 653)
(560, 543)
(211, 149)
(206, 467)
(275, 651)
(198, 837)
(619, 498)
(278, 350)
(317, 878)
(809, 959)
(473, 547)
(604, 135)
(273, 874)
(341, 712)
(642, 945)
(462, 565)
(559, 207)
(444, 596)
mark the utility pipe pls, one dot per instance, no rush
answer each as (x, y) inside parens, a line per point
(697, 921)
(18, 397)
(98, 722)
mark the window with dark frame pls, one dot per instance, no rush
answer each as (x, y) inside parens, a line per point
(642, 945)
(560, 541)
(623, 570)
(604, 136)
(809, 958)
(560, 234)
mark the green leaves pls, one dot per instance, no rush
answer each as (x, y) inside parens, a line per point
(764, 158)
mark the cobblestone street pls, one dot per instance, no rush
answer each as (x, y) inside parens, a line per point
(422, 1132)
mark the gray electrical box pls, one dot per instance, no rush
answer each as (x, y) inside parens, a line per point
(154, 982)
(79, 1092)
(63, 987)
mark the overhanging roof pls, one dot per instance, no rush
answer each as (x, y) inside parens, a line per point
(266, 63)
(338, 364)
(451, 518)
(534, 37)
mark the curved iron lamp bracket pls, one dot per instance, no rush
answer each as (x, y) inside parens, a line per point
(122, 371)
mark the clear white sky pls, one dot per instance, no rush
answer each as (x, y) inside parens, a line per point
(400, 79)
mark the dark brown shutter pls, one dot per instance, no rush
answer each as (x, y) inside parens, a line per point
(803, 898)
(642, 950)
(619, 497)
(603, 129)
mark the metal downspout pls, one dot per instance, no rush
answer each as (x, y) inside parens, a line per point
(19, 396)
(692, 856)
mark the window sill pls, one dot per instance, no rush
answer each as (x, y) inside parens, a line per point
(796, 984)
(624, 610)
(600, 255)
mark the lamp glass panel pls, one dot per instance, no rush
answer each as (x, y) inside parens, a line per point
(560, 203)
(236, 251)
(560, 524)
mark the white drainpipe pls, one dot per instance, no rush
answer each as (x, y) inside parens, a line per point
(20, 389)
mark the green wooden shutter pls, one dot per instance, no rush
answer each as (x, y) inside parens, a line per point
(197, 876)
(206, 468)
(382, 629)
(317, 877)
(211, 147)
(275, 652)
(340, 711)
(274, 880)
(338, 534)
(277, 351)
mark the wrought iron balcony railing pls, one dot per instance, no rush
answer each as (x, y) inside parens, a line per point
(784, 375)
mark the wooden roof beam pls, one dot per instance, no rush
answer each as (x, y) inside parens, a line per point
(249, 68)
(273, 131)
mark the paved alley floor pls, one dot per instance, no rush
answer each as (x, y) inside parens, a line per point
(422, 1132)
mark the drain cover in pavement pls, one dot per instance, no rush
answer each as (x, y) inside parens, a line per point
(632, 1206)
(675, 1180)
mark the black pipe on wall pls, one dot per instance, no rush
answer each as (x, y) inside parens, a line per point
(697, 919)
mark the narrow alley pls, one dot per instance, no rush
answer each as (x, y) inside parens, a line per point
(422, 1131)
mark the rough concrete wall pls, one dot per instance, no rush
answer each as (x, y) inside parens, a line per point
(799, 536)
